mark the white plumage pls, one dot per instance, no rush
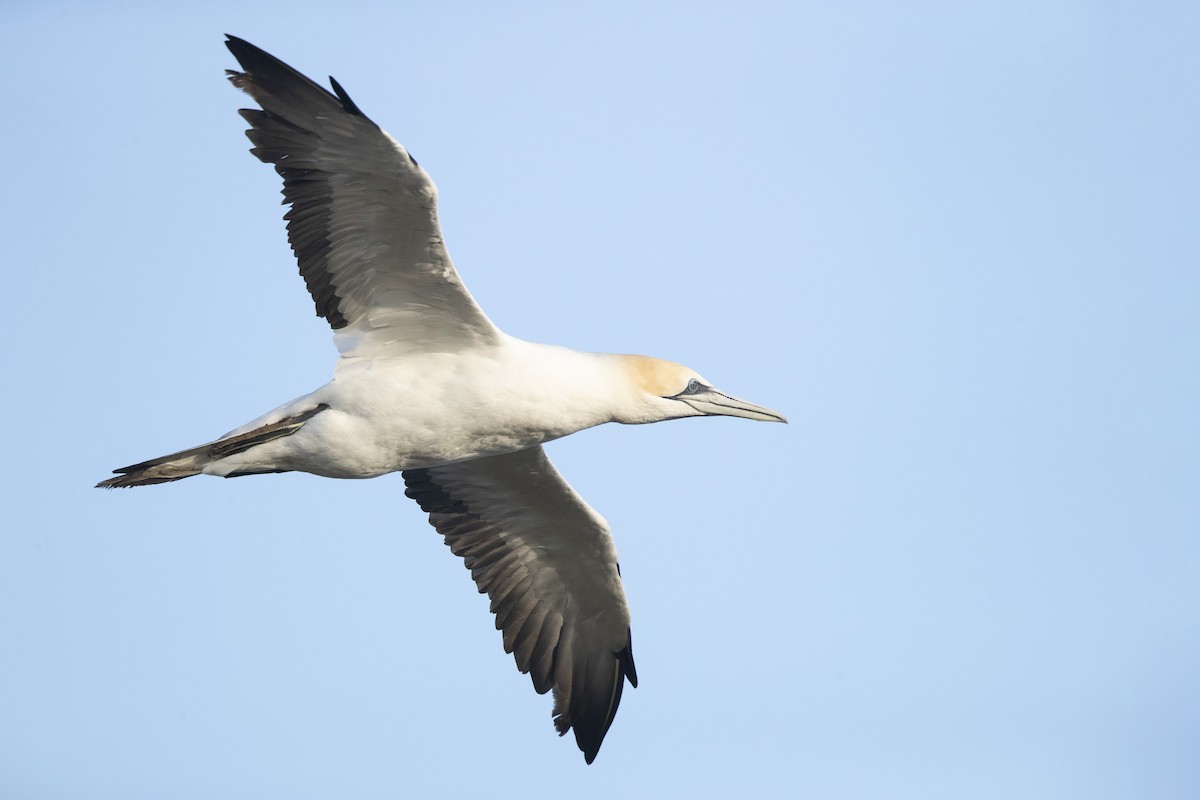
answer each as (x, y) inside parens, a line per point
(426, 385)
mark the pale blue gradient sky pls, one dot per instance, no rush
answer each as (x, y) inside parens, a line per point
(957, 244)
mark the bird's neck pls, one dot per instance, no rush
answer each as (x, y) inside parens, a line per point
(567, 390)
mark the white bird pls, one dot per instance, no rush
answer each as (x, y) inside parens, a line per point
(426, 385)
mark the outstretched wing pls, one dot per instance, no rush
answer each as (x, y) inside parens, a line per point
(363, 221)
(548, 563)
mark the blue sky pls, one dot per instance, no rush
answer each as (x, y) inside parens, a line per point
(955, 243)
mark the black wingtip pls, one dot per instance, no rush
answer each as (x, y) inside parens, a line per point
(348, 104)
(265, 69)
(626, 659)
(240, 47)
(588, 735)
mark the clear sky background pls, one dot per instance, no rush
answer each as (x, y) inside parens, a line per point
(956, 243)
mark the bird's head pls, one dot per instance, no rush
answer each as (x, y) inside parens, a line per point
(666, 390)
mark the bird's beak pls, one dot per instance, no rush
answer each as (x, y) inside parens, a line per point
(712, 403)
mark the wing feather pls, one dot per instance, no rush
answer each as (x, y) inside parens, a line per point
(548, 563)
(363, 219)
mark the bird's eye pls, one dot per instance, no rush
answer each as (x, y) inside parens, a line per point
(692, 387)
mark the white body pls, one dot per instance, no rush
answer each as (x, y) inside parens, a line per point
(426, 385)
(439, 408)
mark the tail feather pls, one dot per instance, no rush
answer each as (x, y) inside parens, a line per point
(164, 469)
(187, 463)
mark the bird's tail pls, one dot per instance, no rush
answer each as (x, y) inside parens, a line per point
(174, 467)
(187, 463)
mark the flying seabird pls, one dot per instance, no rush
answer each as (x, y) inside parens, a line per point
(426, 385)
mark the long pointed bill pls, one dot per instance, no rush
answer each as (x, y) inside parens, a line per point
(713, 403)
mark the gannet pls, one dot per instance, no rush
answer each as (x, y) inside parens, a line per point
(427, 386)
